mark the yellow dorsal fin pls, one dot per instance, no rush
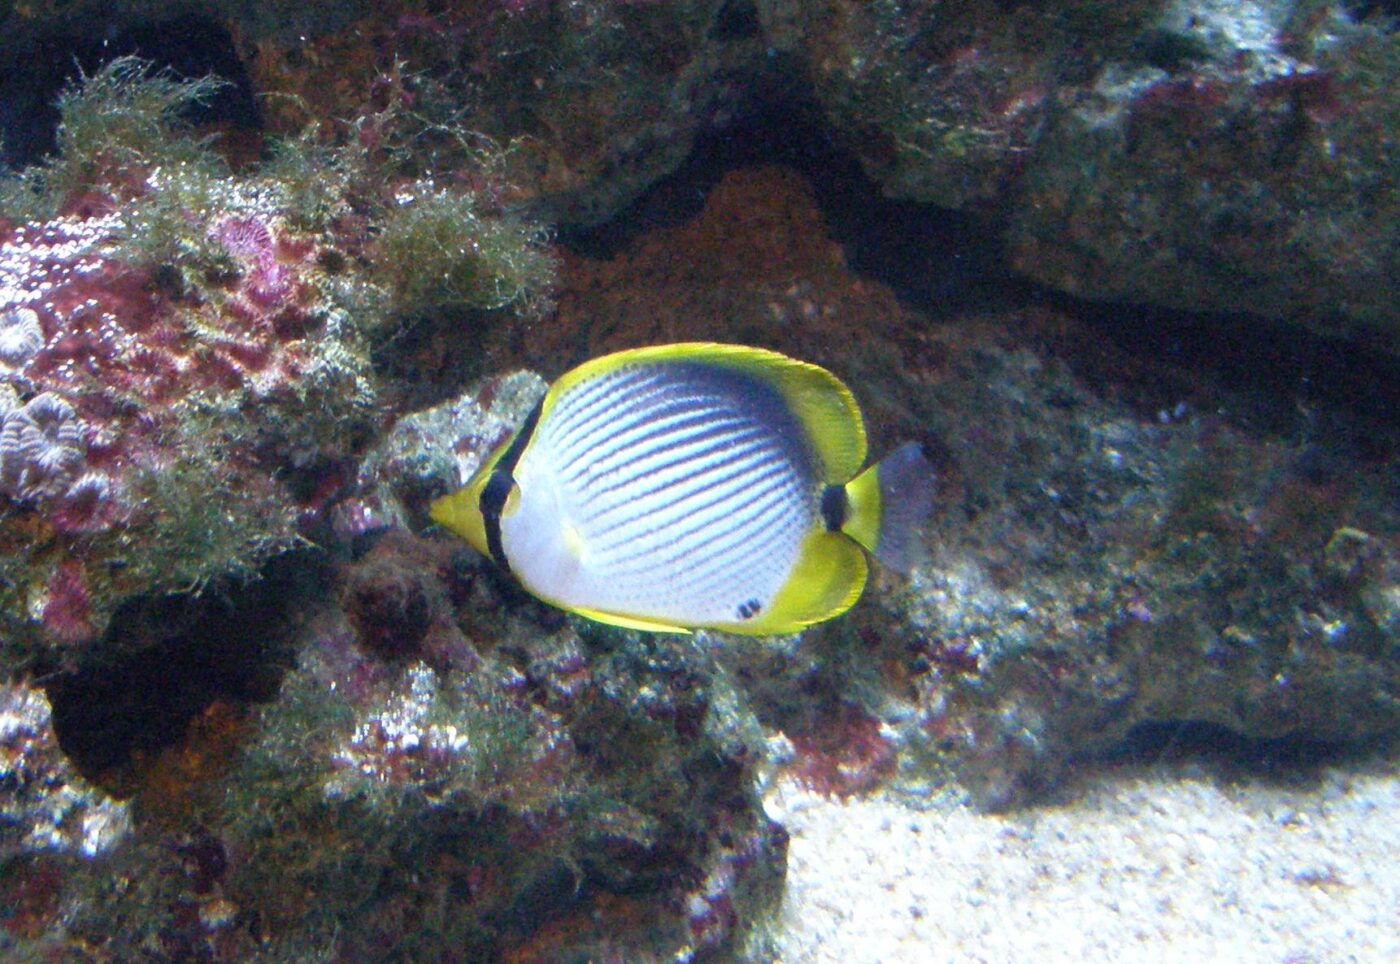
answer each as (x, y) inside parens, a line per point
(821, 403)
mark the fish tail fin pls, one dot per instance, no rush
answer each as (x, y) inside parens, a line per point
(888, 505)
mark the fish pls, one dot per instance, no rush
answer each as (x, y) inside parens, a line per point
(692, 486)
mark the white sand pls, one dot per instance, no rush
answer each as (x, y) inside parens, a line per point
(1160, 866)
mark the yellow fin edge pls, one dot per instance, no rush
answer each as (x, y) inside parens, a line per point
(626, 622)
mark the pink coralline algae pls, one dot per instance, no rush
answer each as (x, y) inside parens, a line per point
(124, 351)
(185, 352)
(141, 405)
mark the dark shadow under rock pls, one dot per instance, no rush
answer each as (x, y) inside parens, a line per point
(181, 654)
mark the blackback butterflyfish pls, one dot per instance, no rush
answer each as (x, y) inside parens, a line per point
(692, 486)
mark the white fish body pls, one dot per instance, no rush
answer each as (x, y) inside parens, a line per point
(687, 486)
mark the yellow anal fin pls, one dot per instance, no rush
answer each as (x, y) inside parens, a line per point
(628, 622)
(826, 580)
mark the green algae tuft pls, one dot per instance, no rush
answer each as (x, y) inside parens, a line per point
(127, 115)
(438, 250)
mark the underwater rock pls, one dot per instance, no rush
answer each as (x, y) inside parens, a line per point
(940, 101)
(595, 101)
(1183, 153)
(1105, 568)
(592, 101)
(1207, 156)
(461, 779)
(1251, 175)
(138, 458)
(757, 265)
(186, 353)
(53, 823)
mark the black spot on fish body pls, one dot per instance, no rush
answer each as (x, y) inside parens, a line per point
(749, 609)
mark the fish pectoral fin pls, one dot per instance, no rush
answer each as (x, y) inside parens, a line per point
(574, 542)
(629, 622)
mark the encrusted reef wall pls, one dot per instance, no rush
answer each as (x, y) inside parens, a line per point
(1126, 270)
(1206, 155)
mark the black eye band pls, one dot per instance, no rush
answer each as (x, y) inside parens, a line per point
(498, 486)
(493, 500)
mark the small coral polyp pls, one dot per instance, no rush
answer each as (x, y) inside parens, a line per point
(246, 238)
(268, 288)
(41, 447)
(21, 337)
